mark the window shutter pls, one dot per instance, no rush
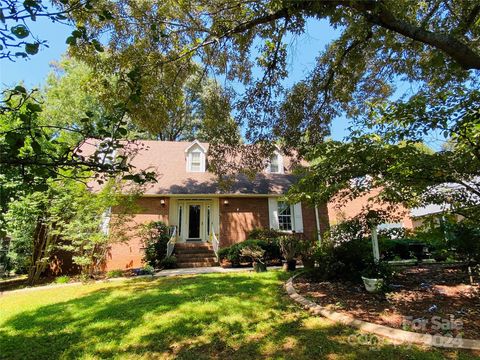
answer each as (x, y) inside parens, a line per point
(298, 218)
(273, 213)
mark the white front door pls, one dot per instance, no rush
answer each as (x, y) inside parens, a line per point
(196, 218)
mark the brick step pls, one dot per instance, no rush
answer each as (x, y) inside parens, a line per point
(194, 264)
(200, 245)
(193, 257)
(194, 251)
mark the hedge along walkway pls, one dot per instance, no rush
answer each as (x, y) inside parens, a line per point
(397, 335)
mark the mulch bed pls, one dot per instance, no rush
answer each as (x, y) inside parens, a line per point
(426, 299)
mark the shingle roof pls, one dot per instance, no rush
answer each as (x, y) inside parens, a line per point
(168, 159)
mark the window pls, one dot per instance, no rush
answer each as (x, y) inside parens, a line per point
(274, 166)
(284, 216)
(208, 220)
(195, 156)
(180, 220)
(196, 162)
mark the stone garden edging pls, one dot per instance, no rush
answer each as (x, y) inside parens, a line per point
(399, 336)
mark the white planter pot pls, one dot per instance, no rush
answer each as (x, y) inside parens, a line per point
(373, 285)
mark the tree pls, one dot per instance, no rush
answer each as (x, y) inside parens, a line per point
(18, 41)
(432, 43)
(66, 215)
(409, 173)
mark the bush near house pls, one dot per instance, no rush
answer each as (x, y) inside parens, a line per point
(155, 236)
(234, 253)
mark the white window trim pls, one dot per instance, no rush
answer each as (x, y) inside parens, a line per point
(296, 214)
(196, 147)
(280, 164)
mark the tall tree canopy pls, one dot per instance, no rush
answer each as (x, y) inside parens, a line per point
(434, 44)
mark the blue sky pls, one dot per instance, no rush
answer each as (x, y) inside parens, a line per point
(303, 50)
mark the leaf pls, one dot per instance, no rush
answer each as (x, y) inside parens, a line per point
(96, 44)
(20, 31)
(20, 89)
(34, 107)
(32, 49)
(123, 131)
(76, 33)
(72, 41)
(36, 147)
(21, 54)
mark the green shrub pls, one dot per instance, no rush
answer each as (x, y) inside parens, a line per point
(62, 279)
(148, 270)
(290, 247)
(464, 238)
(264, 234)
(155, 236)
(380, 270)
(233, 253)
(115, 273)
(344, 253)
(169, 262)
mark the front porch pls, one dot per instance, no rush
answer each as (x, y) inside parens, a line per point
(196, 219)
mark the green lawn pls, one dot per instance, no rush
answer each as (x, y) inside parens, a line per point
(224, 316)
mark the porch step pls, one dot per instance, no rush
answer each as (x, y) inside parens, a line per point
(190, 255)
(194, 257)
(194, 264)
(194, 245)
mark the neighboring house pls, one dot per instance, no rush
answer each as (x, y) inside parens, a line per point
(190, 198)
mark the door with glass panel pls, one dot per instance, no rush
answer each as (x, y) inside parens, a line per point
(194, 223)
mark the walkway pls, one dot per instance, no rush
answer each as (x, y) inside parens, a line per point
(205, 270)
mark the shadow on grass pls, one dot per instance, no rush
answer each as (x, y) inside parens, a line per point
(234, 316)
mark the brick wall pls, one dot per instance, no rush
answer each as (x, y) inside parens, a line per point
(339, 211)
(310, 221)
(129, 254)
(240, 216)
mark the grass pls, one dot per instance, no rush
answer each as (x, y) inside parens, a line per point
(226, 316)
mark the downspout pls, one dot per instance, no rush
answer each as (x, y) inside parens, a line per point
(319, 234)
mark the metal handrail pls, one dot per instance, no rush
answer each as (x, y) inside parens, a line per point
(171, 242)
(215, 243)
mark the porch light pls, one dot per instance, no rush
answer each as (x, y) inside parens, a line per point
(225, 202)
(162, 202)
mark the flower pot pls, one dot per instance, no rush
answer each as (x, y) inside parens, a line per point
(259, 267)
(289, 265)
(373, 285)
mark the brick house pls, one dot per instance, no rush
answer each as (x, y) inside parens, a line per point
(188, 197)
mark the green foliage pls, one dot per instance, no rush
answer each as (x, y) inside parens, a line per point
(168, 262)
(155, 236)
(464, 238)
(289, 246)
(66, 216)
(115, 273)
(233, 253)
(380, 270)
(253, 252)
(62, 279)
(18, 40)
(264, 234)
(344, 253)
(148, 270)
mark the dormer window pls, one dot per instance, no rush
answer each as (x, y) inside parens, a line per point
(196, 162)
(195, 156)
(275, 165)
